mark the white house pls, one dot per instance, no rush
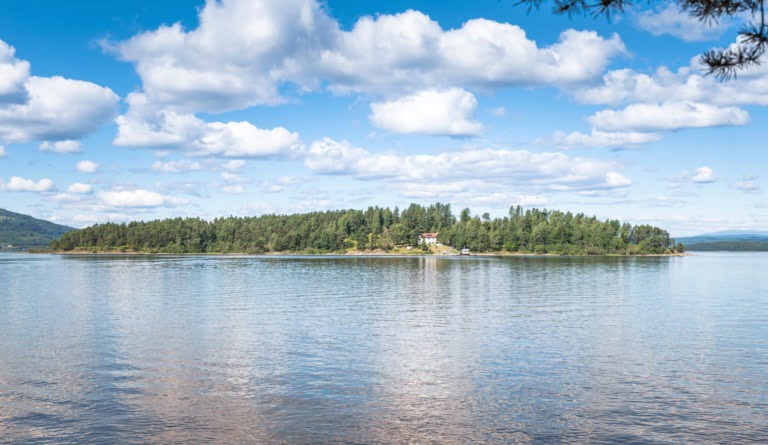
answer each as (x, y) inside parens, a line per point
(428, 238)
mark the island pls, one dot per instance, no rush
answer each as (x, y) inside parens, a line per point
(377, 230)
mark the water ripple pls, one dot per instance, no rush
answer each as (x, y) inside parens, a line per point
(240, 349)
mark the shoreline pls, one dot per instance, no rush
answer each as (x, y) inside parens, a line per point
(353, 254)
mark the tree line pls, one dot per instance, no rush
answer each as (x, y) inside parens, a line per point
(538, 231)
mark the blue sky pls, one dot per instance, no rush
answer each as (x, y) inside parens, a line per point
(136, 110)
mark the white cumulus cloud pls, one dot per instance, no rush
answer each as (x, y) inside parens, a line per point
(137, 198)
(667, 100)
(13, 73)
(141, 127)
(748, 186)
(704, 175)
(614, 179)
(87, 167)
(48, 108)
(19, 184)
(80, 188)
(460, 174)
(242, 139)
(669, 19)
(68, 146)
(233, 178)
(66, 197)
(532, 200)
(686, 84)
(433, 112)
(667, 117)
(599, 138)
(410, 51)
(243, 50)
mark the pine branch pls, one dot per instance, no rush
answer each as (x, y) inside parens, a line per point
(725, 63)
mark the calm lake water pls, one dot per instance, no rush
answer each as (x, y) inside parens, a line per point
(139, 349)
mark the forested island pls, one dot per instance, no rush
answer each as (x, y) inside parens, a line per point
(377, 229)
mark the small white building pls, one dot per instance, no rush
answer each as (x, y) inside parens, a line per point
(428, 238)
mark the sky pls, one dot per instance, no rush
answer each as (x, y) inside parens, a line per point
(120, 111)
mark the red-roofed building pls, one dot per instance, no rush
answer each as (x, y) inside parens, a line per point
(428, 238)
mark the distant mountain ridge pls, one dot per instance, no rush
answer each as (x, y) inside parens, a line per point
(728, 240)
(18, 230)
(738, 233)
(725, 235)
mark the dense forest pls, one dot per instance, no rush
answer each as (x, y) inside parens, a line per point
(376, 229)
(19, 230)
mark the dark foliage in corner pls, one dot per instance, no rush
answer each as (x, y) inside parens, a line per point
(723, 63)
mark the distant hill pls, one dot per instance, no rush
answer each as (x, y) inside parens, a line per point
(747, 233)
(19, 230)
(728, 240)
(729, 246)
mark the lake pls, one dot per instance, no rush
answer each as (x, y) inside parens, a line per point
(237, 349)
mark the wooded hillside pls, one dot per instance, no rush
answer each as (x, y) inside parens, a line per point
(25, 231)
